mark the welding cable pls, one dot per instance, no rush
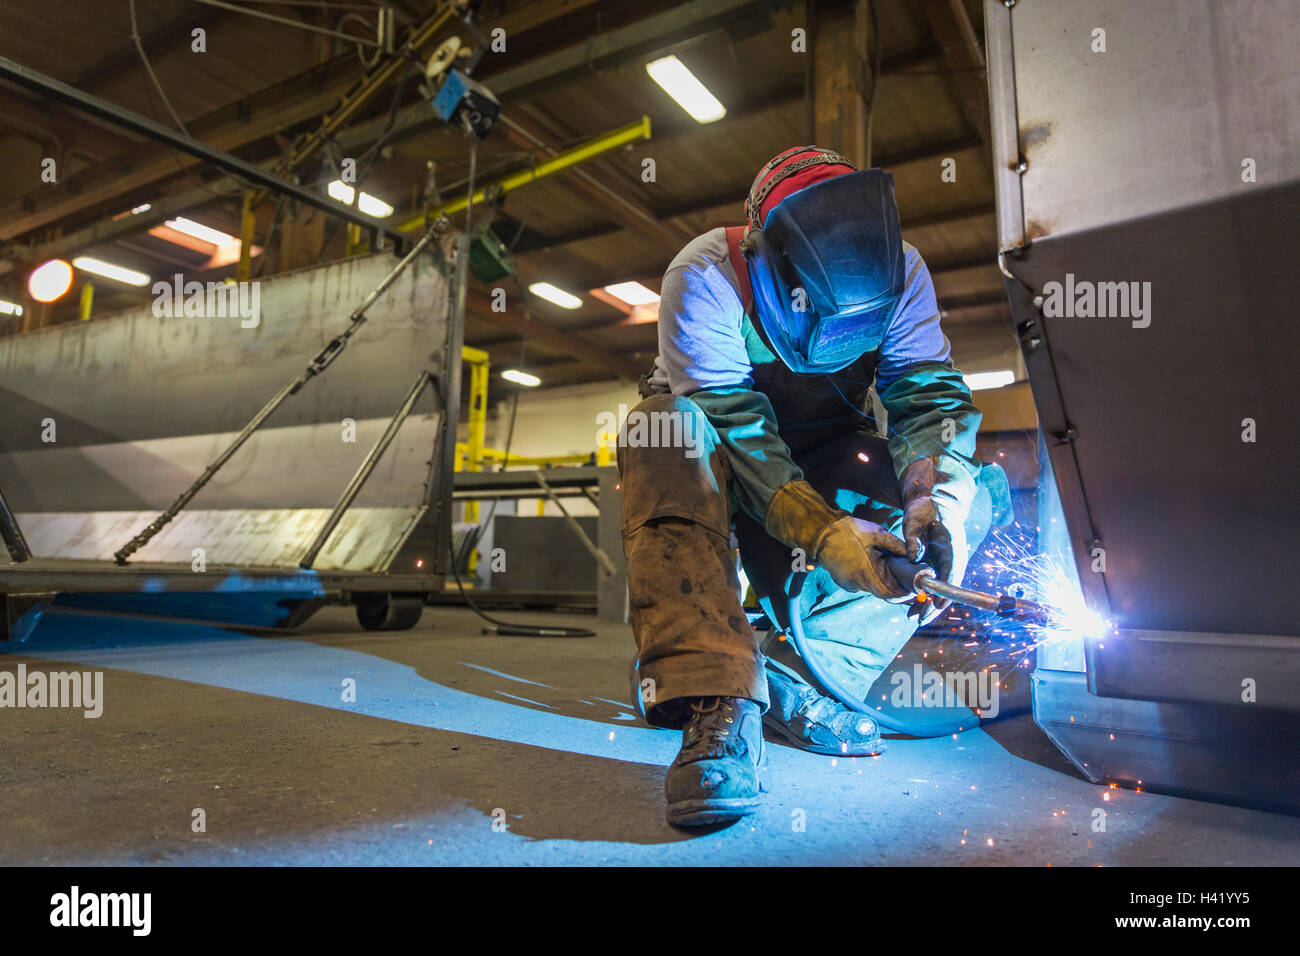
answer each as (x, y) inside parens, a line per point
(794, 613)
(918, 575)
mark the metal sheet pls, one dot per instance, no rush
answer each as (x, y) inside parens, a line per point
(1243, 755)
(1134, 176)
(1004, 124)
(301, 466)
(140, 404)
(1182, 665)
(1185, 91)
(1191, 517)
(266, 537)
(133, 375)
(543, 554)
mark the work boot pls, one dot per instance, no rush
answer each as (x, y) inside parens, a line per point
(804, 718)
(715, 776)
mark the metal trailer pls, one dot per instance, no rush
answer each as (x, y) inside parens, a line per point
(335, 496)
(1158, 144)
(138, 429)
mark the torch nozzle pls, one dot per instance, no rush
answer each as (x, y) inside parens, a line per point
(922, 578)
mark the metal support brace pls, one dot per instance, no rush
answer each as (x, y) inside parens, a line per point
(365, 469)
(51, 88)
(606, 565)
(14, 541)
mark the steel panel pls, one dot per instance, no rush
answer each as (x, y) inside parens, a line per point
(299, 466)
(264, 537)
(142, 404)
(1186, 90)
(133, 376)
(1190, 515)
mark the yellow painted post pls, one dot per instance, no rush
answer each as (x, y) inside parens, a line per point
(604, 444)
(87, 300)
(247, 229)
(476, 428)
(356, 245)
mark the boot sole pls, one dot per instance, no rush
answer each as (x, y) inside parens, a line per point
(701, 813)
(784, 736)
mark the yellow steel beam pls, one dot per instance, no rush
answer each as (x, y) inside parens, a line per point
(496, 455)
(479, 364)
(561, 161)
(87, 300)
(357, 244)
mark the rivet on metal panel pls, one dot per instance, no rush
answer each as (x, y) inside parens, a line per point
(1068, 436)
(1030, 338)
(1021, 167)
(1008, 3)
(1038, 303)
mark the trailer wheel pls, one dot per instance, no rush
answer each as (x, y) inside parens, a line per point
(381, 611)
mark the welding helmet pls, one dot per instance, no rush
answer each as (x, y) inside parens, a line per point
(825, 257)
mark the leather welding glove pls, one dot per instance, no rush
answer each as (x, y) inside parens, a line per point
(941, 545)
(849, 548)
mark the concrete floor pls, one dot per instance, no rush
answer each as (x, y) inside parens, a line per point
(451, 728)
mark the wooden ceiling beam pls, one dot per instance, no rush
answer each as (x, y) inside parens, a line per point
(284, 105)
(964, 59)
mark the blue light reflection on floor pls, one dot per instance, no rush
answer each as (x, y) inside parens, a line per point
(299, 670)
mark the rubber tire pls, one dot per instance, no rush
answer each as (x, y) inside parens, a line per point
(383, 611)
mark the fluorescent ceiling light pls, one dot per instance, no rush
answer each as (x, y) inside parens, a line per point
(978, 380)
(200, 231)
(521, 378)
(370, 205)
(633, 293)
(10, 308)
(49, 280)
(134, 211)
(681, 84)
(553, 294)
(110, 271)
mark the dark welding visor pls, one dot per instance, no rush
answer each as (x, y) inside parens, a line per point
(827, 270)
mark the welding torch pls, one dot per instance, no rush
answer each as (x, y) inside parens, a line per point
(914, 577)
(919, 577)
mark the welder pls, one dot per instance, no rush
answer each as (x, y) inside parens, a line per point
(770, 337)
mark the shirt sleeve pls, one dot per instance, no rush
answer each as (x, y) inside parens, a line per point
(700, 338)
(914, 335)
(702, 344)
(931, 413)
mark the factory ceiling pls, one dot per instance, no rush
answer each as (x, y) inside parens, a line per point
(787, 73)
